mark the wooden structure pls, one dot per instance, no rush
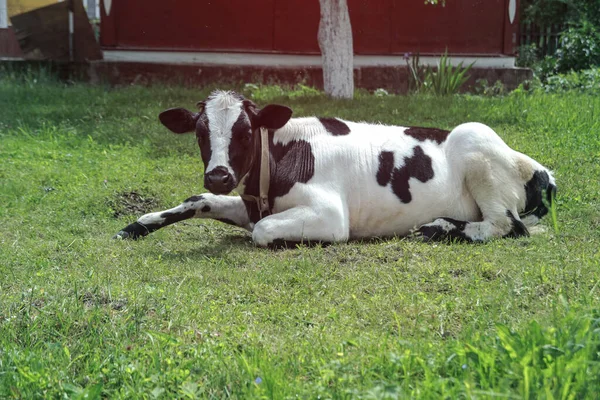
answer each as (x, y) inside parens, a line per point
(380, 27)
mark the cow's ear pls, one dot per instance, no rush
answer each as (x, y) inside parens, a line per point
(273, 116)
(179, 120)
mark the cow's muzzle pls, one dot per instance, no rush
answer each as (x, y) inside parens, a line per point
(219, 181)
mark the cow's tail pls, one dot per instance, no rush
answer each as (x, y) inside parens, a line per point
(540, 192)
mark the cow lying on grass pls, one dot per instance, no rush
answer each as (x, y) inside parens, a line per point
(328, 180)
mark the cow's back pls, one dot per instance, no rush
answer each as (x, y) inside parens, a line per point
(388, 182)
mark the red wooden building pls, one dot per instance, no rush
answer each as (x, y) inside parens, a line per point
(481, 28)
(240, 40)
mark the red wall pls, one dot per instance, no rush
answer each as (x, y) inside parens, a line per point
(9, 45)
(290, 26)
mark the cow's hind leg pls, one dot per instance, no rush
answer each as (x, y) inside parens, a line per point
(452, 229)
(541, 182)
(228, 209)
(498, 194)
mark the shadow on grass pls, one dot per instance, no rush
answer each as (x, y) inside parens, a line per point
(221, 247)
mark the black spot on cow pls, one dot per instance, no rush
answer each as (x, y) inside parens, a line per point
(518, 228)
(205, 208)
(335, 126)
(460, 225)
(172, 217)
(193, 199)
(438, 233)
(423, 134)
(291, 163)
(533, 192)
(203, 138)
(241, 145)
(136, 230)
(417, 166)
(386, 166)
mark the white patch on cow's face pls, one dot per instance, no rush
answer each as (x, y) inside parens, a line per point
(222, 110)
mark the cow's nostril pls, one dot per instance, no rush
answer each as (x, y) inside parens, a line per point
(225, 179)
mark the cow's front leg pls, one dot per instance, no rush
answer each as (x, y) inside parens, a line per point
(228, 209)
(301, 225)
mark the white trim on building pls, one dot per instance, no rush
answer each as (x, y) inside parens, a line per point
(290, 60)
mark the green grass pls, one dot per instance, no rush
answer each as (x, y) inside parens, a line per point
(195, 310)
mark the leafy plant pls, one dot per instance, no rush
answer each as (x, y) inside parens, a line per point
(528, 55)
(446, 79)
(545, 68)
(484, 88)
(587, 81)
(441, 81)
(415, 78)
(561, 12)
(580, 49)
(581, 17)
(264, 93)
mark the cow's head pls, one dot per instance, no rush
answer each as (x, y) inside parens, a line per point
(227, 129)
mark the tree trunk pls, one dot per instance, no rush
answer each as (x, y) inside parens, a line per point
(335, 41)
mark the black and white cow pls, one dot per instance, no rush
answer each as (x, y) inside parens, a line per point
(333, 180)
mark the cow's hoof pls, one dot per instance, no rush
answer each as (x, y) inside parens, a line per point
(429, 234)
(121, 235)
(132, 231)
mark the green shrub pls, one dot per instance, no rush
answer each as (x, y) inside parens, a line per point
(587, 81)
(528, 55)
(545, 68)
(483, 87)
(266, 93)
(580, 49)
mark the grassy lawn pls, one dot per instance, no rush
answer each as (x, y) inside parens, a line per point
(195, 310)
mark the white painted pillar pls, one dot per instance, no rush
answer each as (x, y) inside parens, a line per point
(335, 42)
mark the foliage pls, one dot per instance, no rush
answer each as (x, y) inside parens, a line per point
(587, 81)
(196, 311)
(262, 92)
(580, 49)
(446, 79)
(528, 55)
(441, 81)
(545, 68)
(560, 12)
(416, 72)
(546, 12)
(580, 40)
(483, 87)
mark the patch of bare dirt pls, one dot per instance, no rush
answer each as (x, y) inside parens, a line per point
(91, 300)
(133, 203)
